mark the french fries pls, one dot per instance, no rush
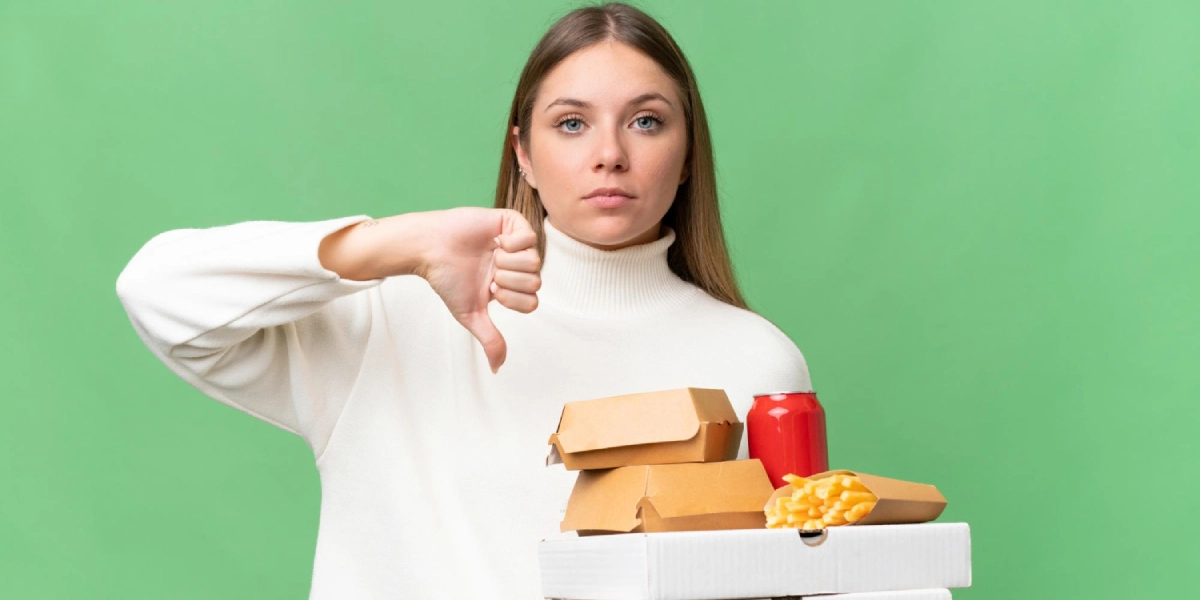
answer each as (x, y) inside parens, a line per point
(820, 503)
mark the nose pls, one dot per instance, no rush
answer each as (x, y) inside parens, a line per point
(610, 151)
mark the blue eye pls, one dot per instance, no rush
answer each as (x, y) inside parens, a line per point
(648, 122)
(644, 123)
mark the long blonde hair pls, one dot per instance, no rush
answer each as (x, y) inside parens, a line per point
(699, 254)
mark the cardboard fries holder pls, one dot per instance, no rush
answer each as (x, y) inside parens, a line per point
(677, 497)
(898, 501)
(687, 425)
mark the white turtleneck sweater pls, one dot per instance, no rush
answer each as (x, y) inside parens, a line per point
(433, 476)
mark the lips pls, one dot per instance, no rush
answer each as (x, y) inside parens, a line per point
(609, 201)
(610, 197)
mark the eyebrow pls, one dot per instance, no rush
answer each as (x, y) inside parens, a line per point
(581, 104)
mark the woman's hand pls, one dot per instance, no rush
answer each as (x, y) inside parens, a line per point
(469, 256)
(484, 254)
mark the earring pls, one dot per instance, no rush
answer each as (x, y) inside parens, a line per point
(521, 171)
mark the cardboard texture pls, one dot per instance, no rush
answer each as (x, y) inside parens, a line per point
(687, 425)
(899, 501)
(920, 560)
(677, 497)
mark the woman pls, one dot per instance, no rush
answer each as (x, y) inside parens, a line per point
(607, 264)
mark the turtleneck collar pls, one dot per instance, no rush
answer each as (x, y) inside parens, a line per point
(632, 281)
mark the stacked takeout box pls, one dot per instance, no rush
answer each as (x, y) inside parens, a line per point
(686, 520)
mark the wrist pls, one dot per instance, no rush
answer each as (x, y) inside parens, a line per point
(377, 248)
(402, 242)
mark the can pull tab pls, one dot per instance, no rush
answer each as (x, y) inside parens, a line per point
(813, 538)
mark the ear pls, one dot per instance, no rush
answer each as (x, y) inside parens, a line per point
(683, 176)
(523, 157)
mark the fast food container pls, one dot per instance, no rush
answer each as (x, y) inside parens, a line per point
(898, 501)
(760, 563)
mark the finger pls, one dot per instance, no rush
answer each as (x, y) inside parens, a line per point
(525, 261)
(518, 301)
(517, 281)
(517, 233)
(517, 241)
(480, 325)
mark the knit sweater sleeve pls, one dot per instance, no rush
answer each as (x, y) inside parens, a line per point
(247, 314)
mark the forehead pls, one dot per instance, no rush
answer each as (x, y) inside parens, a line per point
(608, 73)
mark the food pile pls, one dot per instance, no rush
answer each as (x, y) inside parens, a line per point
(816, 503)
(667, 461)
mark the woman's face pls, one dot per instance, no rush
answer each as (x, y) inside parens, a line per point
(606, 117)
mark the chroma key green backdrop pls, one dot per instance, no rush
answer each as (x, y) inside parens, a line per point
(978, 220)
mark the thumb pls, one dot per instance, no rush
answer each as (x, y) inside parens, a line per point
(480, 325)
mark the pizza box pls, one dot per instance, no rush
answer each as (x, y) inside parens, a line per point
(938, 594)
(756, 563)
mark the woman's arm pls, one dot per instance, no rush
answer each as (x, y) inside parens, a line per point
(264, 315)
(222, 307)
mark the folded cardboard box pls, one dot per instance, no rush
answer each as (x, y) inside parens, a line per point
(897, 501)
(686, 425)
(678, 497)
(757, 563)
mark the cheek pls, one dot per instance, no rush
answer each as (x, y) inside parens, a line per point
(557, 163)
(666, 166)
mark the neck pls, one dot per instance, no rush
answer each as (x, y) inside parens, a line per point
(628, 281)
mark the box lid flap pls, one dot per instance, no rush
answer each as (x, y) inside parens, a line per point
(606, 500)
(708, 488)
(712, 405)
(645, 418)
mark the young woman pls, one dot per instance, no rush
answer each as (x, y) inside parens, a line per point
(378, 341)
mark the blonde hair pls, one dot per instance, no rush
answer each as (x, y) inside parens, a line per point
(699, 254)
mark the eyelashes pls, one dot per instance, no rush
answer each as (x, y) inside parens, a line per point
(657, 123)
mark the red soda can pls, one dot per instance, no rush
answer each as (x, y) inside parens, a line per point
(786, 431)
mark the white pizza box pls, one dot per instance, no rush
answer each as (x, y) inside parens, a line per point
(756, 563)
(940, 594)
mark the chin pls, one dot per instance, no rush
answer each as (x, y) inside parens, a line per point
(610, 231)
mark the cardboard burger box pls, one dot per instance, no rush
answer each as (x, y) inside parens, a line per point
(686, 425)
(679, 497)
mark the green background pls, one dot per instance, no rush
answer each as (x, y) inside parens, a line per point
(978, 221)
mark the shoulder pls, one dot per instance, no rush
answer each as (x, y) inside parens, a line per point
(754, 343)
